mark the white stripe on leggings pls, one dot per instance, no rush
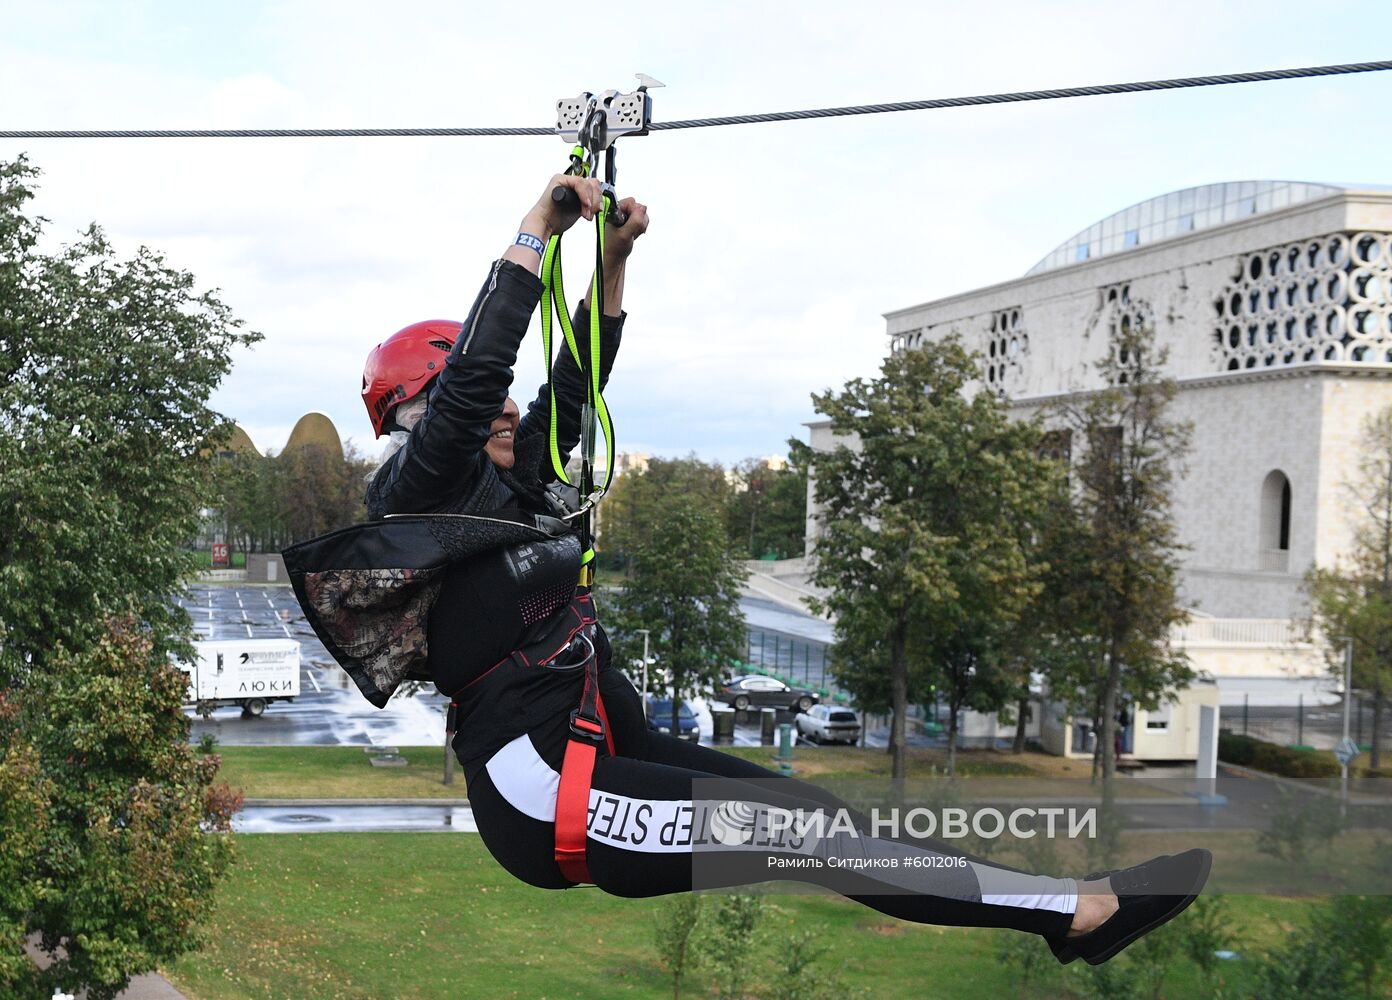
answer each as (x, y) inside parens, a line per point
(525, 780)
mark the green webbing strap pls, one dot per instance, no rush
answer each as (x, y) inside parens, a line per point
(596, 397)
(553, 292)
(552, 287)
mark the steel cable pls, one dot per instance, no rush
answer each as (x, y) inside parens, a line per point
(1181, 83)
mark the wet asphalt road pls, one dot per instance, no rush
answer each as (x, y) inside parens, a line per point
(1249, 806)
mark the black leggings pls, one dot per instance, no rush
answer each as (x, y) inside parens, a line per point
(646, 831)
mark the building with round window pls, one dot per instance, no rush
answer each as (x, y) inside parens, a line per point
(1274, 301)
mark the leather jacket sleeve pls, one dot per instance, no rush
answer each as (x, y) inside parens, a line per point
(443, 457)
(570, 385)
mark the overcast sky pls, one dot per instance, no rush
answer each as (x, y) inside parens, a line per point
(774, 249)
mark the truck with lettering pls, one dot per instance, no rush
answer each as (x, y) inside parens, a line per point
(251, 673)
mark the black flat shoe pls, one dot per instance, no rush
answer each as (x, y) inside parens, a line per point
(1148, 895)
(1061, 946)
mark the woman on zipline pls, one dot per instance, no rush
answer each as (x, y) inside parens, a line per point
(566, 782)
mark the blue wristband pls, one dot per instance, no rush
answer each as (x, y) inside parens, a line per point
(530, 242)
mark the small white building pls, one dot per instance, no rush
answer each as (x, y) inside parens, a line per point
(1169, 732)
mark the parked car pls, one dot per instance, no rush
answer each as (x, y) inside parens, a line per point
(660, 719)
(829, 724)
(759, 691)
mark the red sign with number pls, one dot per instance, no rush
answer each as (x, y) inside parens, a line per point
(220, 557)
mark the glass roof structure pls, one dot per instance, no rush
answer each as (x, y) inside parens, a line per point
(1177, 213)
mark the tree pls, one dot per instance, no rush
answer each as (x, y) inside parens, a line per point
(1127, 548)
(106, 438)
(268, 503)
(244, 494)
(625, 518)
(1054, 631)
(683, 586)
(319, 491)
(1354, 597)
(673, 928)
(926, 526)
(768, 509)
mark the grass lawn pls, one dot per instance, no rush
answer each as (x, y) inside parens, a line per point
(431, 915)
(203, 559)
(336, 773)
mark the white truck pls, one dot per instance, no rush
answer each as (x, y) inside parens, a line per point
(251, 673)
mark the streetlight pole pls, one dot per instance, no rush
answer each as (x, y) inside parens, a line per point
(1348, 701)
(645, 674)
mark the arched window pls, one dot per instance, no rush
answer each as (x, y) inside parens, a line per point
(1275, 521)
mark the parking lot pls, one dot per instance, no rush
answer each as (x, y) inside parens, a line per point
(329, 710)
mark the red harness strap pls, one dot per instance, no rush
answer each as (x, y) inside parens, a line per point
(588, 730)
(573, 809)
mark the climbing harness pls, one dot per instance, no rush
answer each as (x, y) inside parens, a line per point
(592, 123)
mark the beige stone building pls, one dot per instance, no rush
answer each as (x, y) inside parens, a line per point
(1274, 300)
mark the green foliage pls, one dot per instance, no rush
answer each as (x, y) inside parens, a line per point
(683, 586)
(1354, 597)
(1300, 823)
(24, 821)
(125, 869)
(1363, 925)
(1154, 955)
(1124, 564)
(1248, 751)
(1027, 957)
(768, 510)
(1204, 929)
(927, 528)
(763, 510)
(728, 943)
(1338, 954)
(797, 977)
(105, 371)
(106, 366)
(268, 503)
(625, 519)
(1110, 981)
(673, 928)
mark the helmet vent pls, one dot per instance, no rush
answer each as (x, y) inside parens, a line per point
(443, 345)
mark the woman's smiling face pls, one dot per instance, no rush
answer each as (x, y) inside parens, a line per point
(499, 447)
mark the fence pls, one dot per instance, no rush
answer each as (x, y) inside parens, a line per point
(223, 576)
(1260, 631)
(801, 661)
(1318, 726)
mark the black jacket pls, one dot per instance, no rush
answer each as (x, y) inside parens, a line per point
(442, 468)
(368, 590)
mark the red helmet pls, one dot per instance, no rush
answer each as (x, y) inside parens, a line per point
(402, 366)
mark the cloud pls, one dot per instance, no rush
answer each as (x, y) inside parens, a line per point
(774, 249)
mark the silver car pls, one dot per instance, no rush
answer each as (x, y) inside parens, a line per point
(829, 724)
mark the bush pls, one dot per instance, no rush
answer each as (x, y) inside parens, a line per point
(1300, 823)
(728, 943)
(1338, 954)
(672, 931)
(1248, 751)
(797, 977)
(1027, 957)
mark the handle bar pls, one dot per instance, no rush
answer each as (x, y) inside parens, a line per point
(570, 201)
